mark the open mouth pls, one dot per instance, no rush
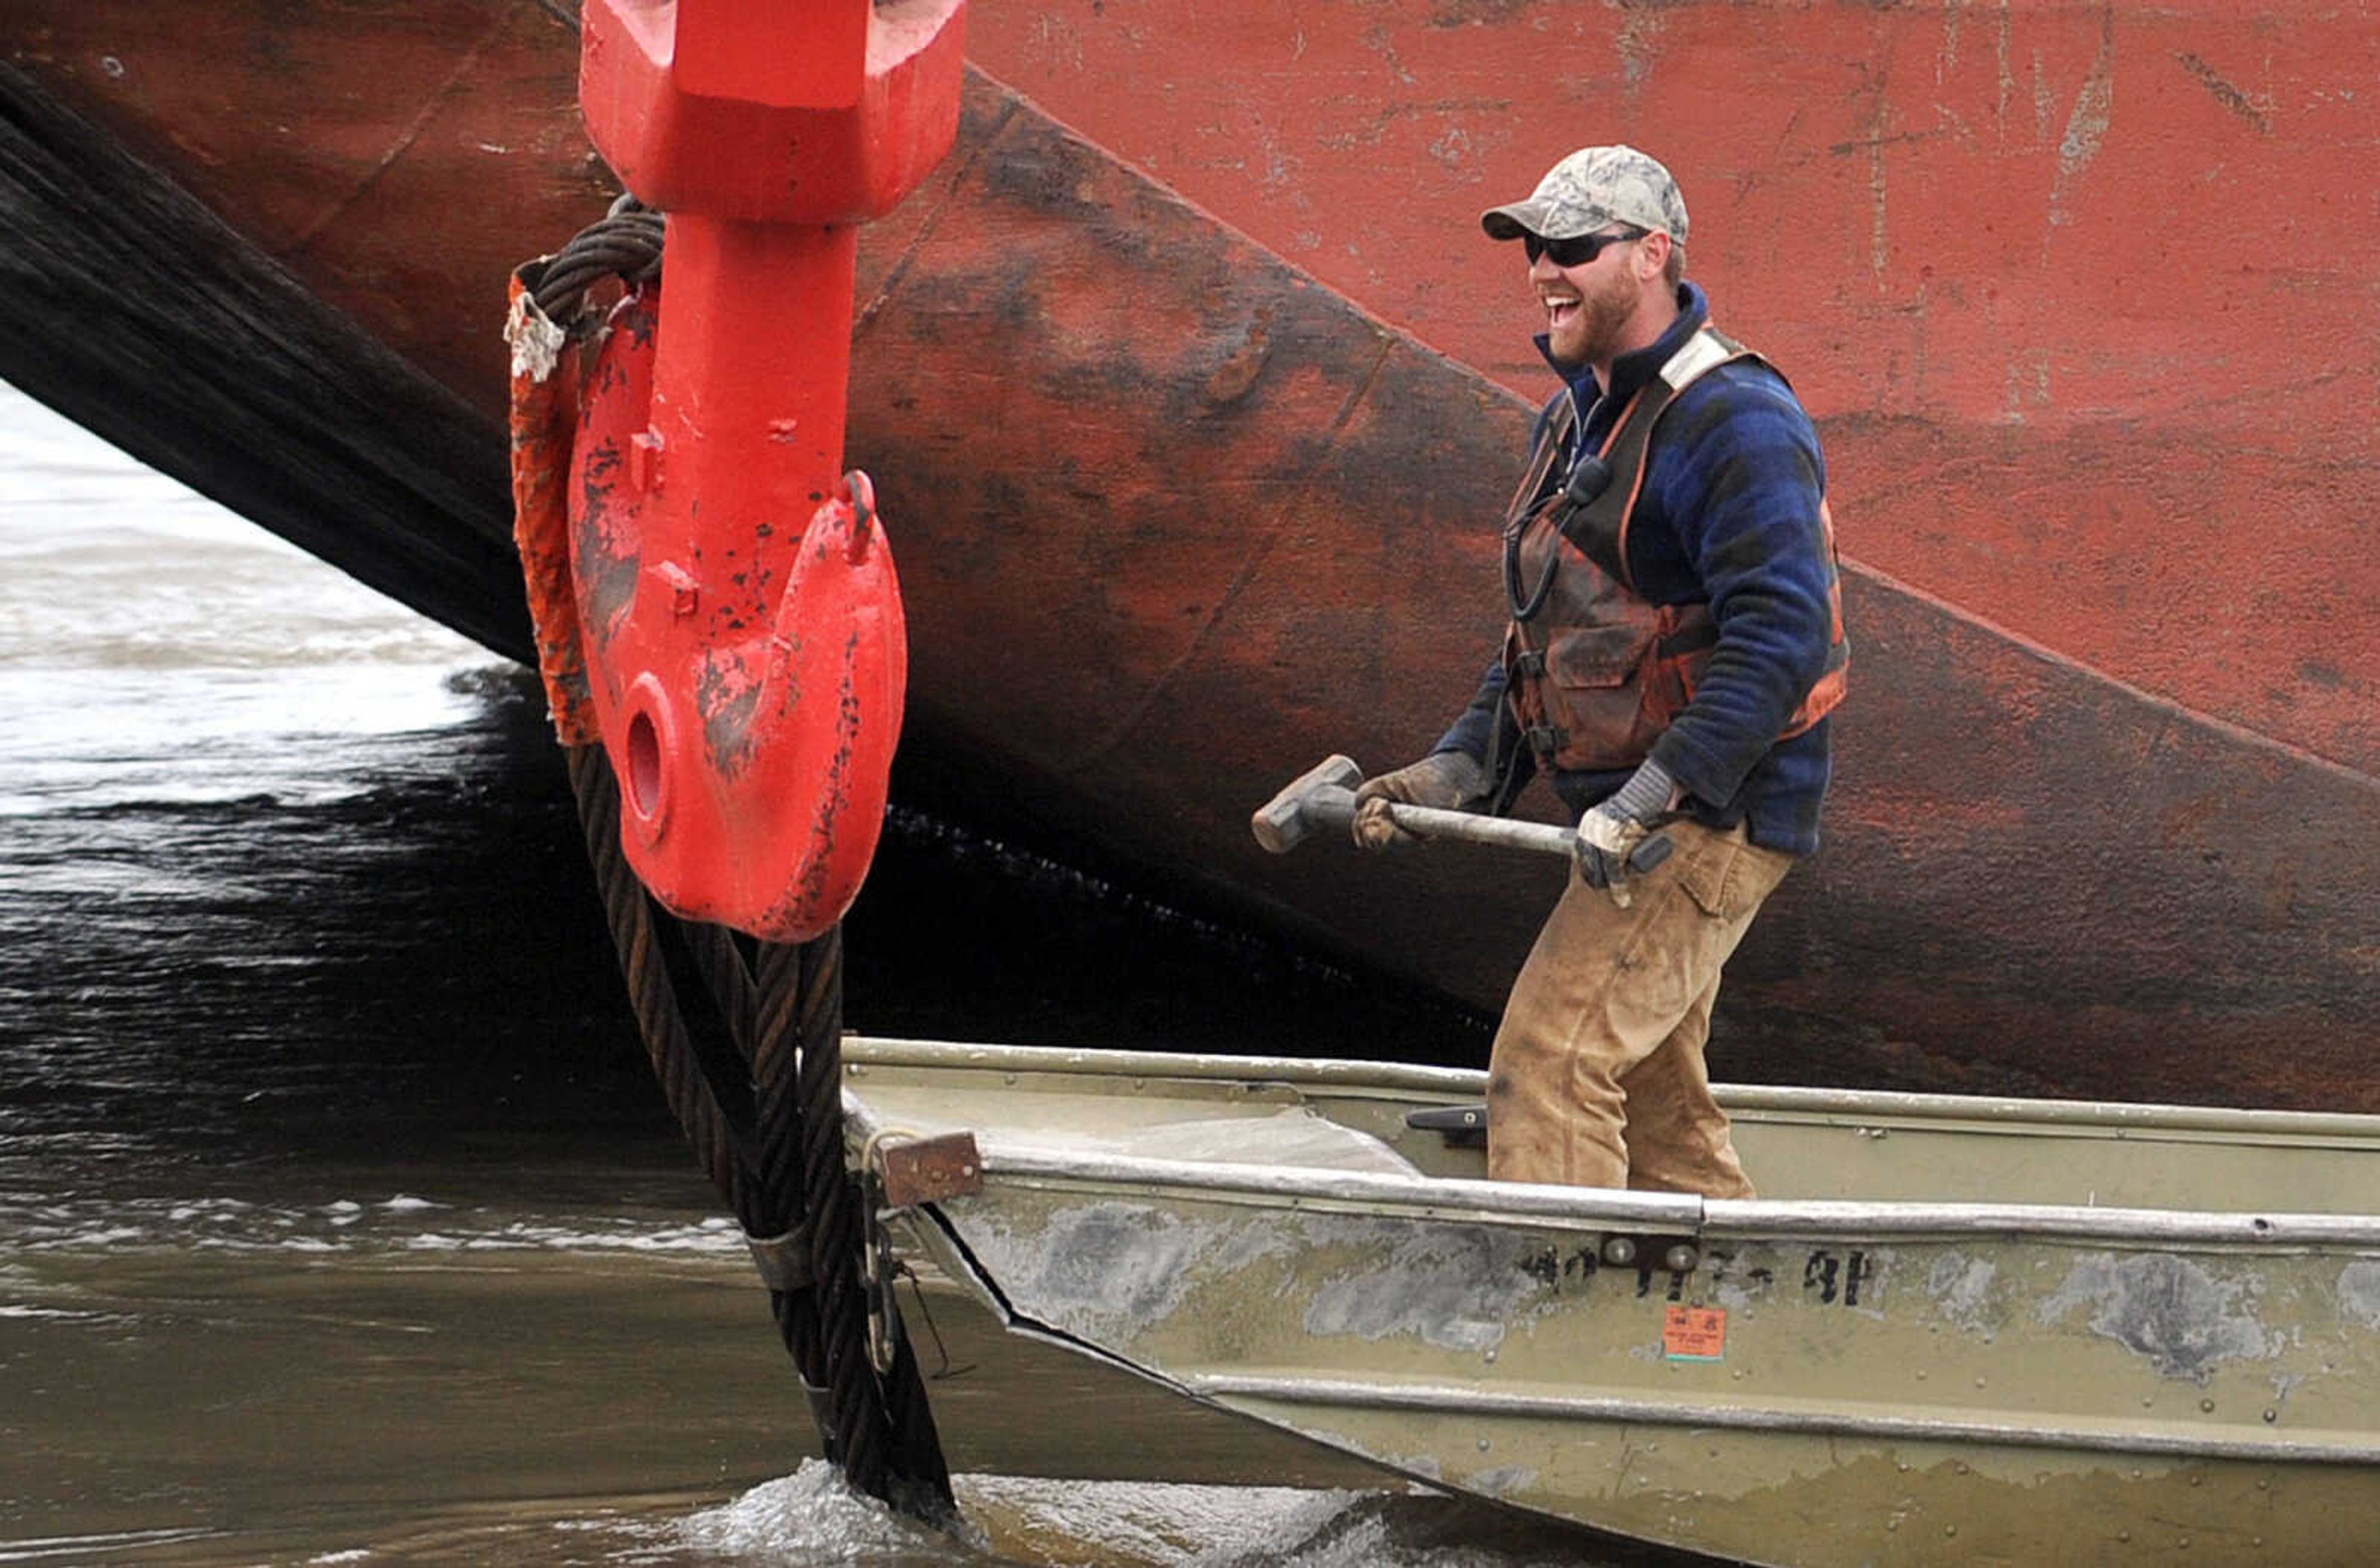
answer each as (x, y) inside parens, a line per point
(1561, 313)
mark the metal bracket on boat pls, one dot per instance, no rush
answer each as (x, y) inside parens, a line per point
(878, 1266)
(928, 1170)
(899, 1171)
(1462, 1127)
(1679, 1254)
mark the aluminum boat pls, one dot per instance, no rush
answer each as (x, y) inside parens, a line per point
(1951, 1330)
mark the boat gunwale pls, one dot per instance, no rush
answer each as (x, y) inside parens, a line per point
(1759, 1102)
(1520, 1203)
(1444, 1399)
(1525, 1204)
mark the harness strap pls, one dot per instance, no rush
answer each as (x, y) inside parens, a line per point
(1541, 460)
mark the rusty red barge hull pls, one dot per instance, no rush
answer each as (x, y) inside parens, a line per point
(1195, 394)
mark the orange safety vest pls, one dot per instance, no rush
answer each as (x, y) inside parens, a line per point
(1593, 671)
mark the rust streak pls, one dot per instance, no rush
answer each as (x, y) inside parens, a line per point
(1894, 139)
(949, 188)
(1123, 729)
(431, 104)
(2230, 97)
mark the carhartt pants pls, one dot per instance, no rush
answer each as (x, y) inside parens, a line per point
(1597, 1077)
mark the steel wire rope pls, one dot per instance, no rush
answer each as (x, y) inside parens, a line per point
(771, 1140)
(787, 1177)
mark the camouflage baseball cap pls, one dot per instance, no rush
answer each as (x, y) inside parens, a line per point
(1593, 188)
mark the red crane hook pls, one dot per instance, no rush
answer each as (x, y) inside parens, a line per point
(740, 616)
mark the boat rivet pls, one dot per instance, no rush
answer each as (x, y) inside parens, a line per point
(1491, 1355)
(1891, 1524)
(2197, 1480)
(2255, 1541)
(1963, 1467)
(2146, 1402)
(2263, 1484)
(1921, 1374)
(1008, 1077)
(1950, 1529)
(1482, 1445)
(1979, 1382)
(2123, 1534)
(2183, 1543)
(2136, 1472)
(2272, 1415)
(1904, 1467)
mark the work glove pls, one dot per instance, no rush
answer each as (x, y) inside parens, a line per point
(1612, 843)
(1452, 781)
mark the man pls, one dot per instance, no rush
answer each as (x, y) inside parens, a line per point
(1674, 647)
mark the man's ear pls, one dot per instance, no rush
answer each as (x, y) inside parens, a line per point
(1652, 255)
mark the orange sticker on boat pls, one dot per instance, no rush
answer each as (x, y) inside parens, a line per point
(1694, 1334)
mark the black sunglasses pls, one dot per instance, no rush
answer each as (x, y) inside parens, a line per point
(1578, 250)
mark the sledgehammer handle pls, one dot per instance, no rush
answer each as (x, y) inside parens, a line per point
(1332, 806)
(1323, 796)
(1429, 821)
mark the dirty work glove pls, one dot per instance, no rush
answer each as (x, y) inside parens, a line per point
(1610, 844)
(1449, 780)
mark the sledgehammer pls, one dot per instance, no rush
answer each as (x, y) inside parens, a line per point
(1324, 797)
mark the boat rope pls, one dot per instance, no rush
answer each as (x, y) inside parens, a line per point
(745, 1036)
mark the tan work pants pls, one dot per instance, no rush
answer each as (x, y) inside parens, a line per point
(1596, 1076)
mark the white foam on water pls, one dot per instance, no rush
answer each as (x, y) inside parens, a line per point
(113, 1546)
(348, 1226)
(812, 1516)
(58, 1314)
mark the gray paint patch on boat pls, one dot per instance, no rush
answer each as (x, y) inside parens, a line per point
(1421, 1466)
(2167, 1309)
(1960, 1286)
(1504, 1479)
(2359, 1292)
(1102, 1267)
(1453, 1286)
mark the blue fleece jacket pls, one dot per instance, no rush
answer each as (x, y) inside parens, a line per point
(1728, 514)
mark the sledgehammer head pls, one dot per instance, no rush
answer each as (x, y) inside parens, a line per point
(1318, 797)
